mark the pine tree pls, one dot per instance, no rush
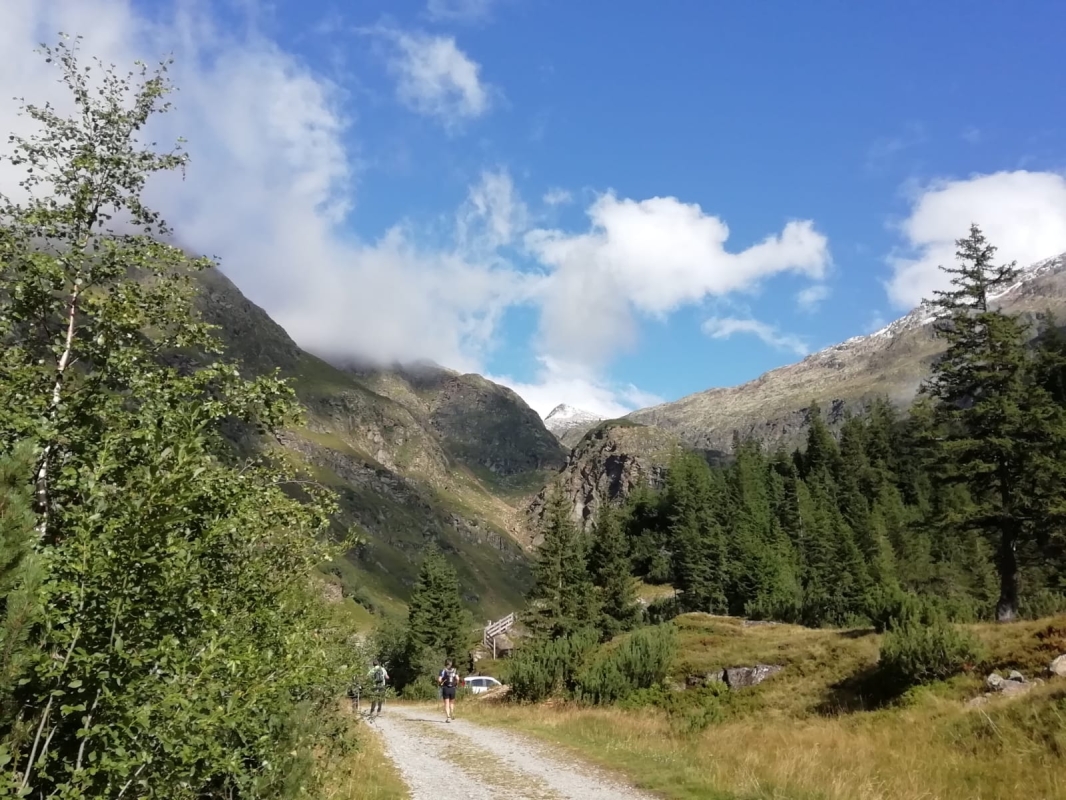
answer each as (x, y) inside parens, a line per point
(436, 620)
(562, 600)
(646, 532)
(699, 555)
(611, 572)
(822, 453)
(1003, 437)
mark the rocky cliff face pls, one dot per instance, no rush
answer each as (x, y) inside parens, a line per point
(891, 362)
(480, 424)
(605, 466)
(489, 426)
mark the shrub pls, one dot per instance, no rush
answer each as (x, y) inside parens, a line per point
(544, 667)
(888, 608)
(662, 610)
(638, 662)
(1042, 603)
(422, 688)
(779, 609)
(913, 653)
(688, 712)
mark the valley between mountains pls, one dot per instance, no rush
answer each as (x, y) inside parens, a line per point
(420, 453)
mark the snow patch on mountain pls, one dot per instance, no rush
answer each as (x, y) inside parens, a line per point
(565, 418)
(925, 313)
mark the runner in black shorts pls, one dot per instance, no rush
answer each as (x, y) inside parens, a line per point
(449, 681)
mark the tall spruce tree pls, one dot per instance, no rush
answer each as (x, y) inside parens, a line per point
(696, 540)
(646, 532)
(562, 599)
(436, 619)
(762, 578)
(1003, 436)
(612, 574)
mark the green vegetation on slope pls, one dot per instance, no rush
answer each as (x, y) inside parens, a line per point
(906, 526)
(809, 732)
(411, 465)
(167, 629)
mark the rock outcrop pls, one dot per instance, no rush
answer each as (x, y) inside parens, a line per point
(735, 677)
(1057, 667)
(605, 466)
(1014, 685)
(480, 424)
(486, 425)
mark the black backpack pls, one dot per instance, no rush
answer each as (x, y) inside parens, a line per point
(451, 677)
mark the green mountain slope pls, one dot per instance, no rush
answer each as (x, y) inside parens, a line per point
(416, 455)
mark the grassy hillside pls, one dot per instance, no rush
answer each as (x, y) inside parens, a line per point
(822, 727)
(414, 455)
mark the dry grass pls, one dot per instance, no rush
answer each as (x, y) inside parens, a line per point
(650, 592)
(366, 773)
(802, 735)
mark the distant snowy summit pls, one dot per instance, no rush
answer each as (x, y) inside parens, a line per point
(567, 422)
(925, 313)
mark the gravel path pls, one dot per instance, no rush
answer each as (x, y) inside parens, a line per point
(462, 759)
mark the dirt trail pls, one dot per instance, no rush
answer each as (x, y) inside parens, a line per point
(462, 759)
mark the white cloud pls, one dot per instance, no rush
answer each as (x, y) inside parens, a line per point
(1022, 213)
(810, 298)
(560, 382)
(557, 197)
(652, 257)
(725, 327)
(435, 78)
(493, 215)
(459, 10)
(269, 184)
(272, 182)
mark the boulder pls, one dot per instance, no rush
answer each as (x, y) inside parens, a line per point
(740, 677)
(1058, 667)
(1012, 686)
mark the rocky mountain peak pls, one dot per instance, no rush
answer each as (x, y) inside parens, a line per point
(605, 465)
(569, 424)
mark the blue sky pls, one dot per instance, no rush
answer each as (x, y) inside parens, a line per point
(540, 191)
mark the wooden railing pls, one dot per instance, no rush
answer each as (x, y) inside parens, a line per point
(494, 629)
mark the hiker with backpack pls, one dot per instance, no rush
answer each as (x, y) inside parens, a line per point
(448, 679)
(378, 677)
